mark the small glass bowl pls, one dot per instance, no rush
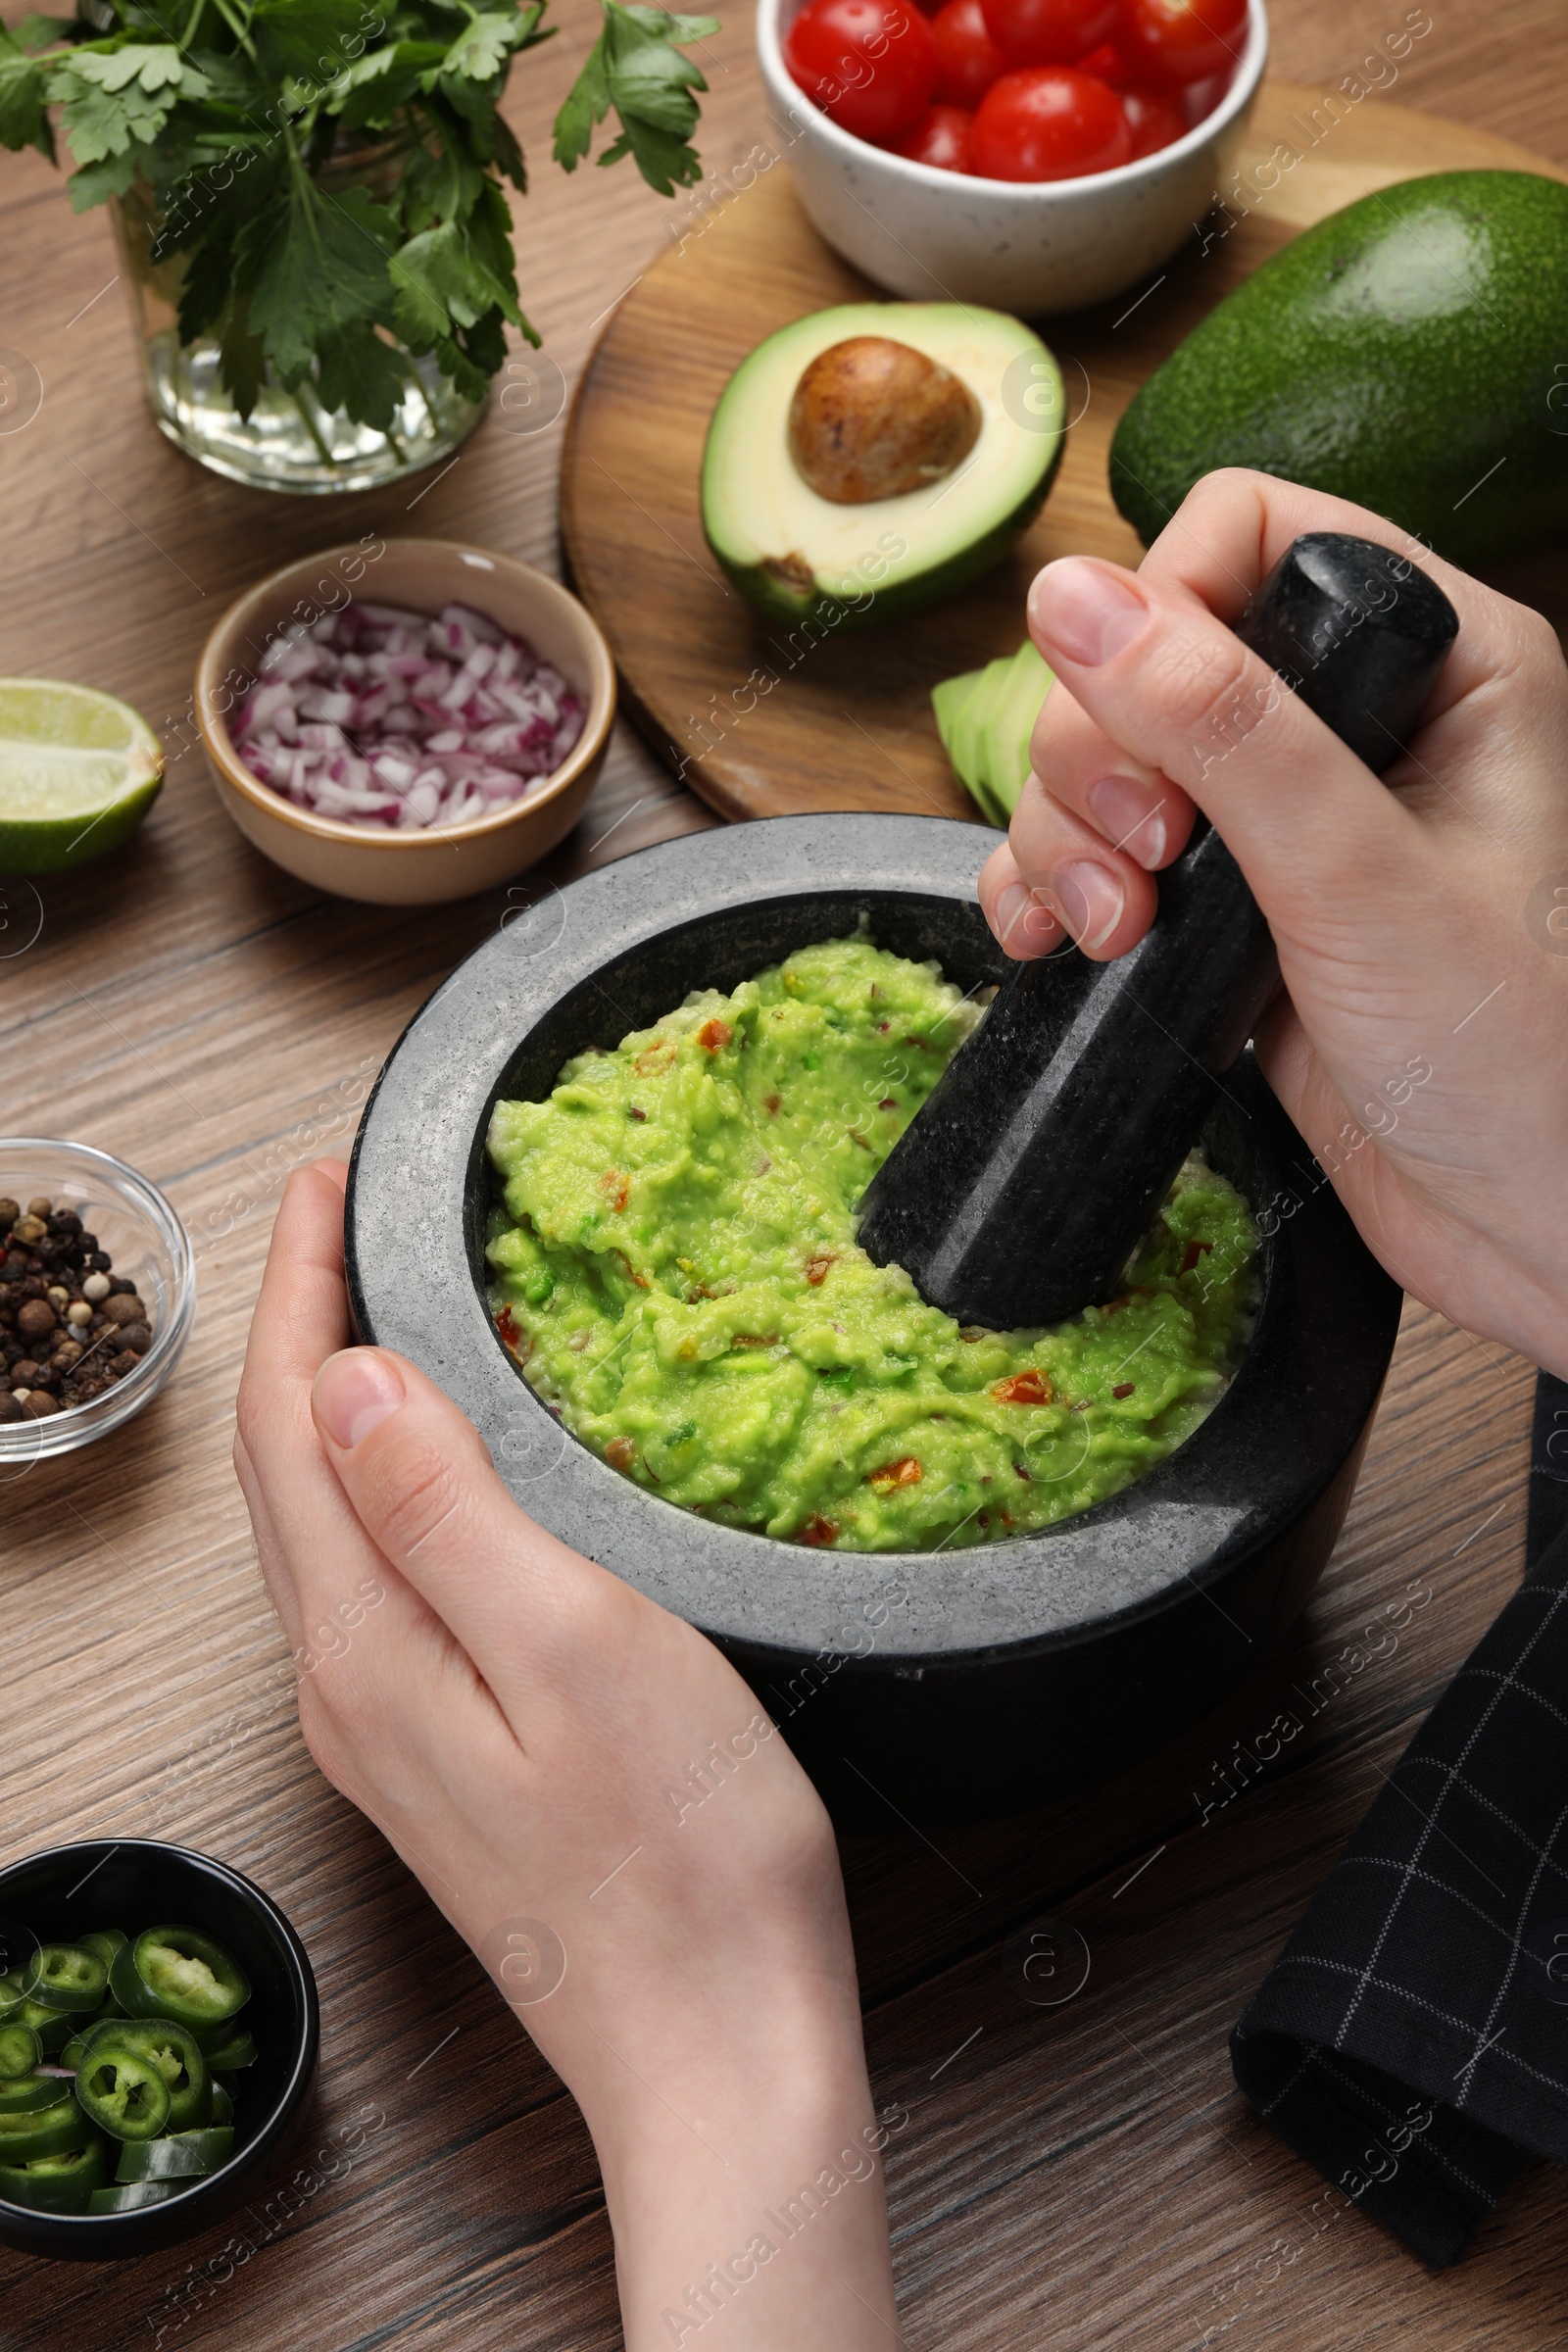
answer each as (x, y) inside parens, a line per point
(147, 1243)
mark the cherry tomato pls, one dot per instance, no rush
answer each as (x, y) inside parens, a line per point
(1173, 42)
(1104, 63)
(1049, 123)
(942, 138)
(1154, 117)
(968, 60)
(1049, 33)
(871, 64)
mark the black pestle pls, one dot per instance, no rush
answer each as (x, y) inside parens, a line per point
(1021, 1190)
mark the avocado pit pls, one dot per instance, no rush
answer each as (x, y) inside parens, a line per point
(874, 418)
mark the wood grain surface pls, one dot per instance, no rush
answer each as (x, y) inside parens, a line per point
(764, 720)
(1073, 2179)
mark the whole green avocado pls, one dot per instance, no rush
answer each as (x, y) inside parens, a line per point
(1410, 353)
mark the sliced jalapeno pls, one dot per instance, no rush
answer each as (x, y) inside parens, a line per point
(178, 2156)
(175, 2054)
(111, 2008)
(105, 1942)
(79, 2042)
(223, 2105)
(52, 2130)
(128, 2198)
(20, 2051)
(32, 2091)
(123, 2092)
(179, 1973)
(53, 2027)
(58, 2183)
(230, 2056)
(11, 1993)
(66, 1976)
(86, 2032)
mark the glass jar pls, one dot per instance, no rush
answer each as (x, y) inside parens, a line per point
(288, 441)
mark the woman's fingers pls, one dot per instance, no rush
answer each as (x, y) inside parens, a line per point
(1159, 707)
(277, 1573)
(362, 1639)
(1173, 685)
(1022, 923)
(313, 1552)
(1234, 527)
(302, 1311)
(424, 1489)
(1132, 807)
(1097, 895)
(1092, 825)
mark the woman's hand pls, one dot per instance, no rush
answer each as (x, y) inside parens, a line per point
(1422, 1043)
(599, 1806)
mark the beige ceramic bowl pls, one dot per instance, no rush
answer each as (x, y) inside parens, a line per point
(361, 862)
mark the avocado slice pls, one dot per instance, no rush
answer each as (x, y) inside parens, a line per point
(1410, 353)
(985, 719)
(966, 747)
(947, 698)
(808, 563)
(1009, 722)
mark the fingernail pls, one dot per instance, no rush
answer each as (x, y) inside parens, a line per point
(1022, 922)
(1132, 815)
(354, 1394)
(1088, 612)
(1092, 900)
(1010, 907)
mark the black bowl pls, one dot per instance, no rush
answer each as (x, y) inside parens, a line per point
(947, 1684)
(136, 1883)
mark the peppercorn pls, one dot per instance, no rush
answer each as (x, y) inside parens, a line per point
(70, 1327)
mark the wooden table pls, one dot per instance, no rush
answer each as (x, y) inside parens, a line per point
(1080, 2177)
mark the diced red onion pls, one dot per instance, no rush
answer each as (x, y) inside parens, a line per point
(399, 719)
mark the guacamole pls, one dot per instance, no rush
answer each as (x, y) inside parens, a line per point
(675, 1270)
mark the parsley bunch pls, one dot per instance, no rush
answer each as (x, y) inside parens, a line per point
(225, 111)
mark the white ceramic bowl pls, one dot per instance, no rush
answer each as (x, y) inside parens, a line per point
(369, 862)
(1035, 247)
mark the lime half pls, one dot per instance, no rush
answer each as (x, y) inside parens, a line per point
(78, 773)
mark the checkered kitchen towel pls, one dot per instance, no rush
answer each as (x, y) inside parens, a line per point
(1412, 2040)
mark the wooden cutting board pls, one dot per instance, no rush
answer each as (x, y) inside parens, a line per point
(848, 723)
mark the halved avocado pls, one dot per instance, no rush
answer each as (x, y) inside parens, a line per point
(800, 557)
